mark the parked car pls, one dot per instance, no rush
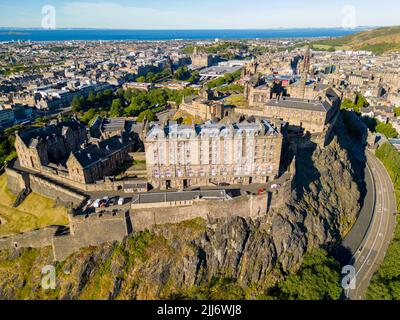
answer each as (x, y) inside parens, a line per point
(96, 203)
(275, 186)
(104, 202)
(113, 201)
(121, 201)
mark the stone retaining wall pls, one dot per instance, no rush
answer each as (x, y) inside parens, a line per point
(34, 239)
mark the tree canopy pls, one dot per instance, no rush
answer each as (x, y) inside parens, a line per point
(148, 114)
(317, 279)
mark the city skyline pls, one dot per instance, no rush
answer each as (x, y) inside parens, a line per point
(178, 14)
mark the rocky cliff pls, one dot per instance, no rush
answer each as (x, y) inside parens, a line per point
(172, 261)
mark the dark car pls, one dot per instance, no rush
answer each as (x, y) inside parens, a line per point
(114, 201)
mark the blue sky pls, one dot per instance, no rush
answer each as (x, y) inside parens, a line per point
(199, 14)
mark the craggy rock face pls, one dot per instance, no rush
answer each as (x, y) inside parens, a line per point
(173, 259)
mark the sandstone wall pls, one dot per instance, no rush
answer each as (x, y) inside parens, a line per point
(16, 181)
(246, 206)
(35, 239)
(91, 231)
(53, 191)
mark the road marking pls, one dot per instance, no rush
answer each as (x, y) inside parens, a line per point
(378, 208)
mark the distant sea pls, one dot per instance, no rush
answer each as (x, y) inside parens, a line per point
(115, 35)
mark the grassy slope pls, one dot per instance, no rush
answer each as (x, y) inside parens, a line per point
(378, 41)
(385, 284)
(35, 212)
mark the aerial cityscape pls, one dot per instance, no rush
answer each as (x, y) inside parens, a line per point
(194, 159)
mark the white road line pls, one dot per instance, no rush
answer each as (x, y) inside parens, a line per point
(377, 236)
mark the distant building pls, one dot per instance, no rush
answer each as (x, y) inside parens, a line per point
(203, 106)
(138, 85)
(180, 156)
(7, 117)
(201, 60)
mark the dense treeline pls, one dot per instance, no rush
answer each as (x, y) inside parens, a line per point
(227, 79)
(373, 125)
(7, 140)
(130, 103)
(385, 284)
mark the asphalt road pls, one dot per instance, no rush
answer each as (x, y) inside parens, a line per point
(376, 241)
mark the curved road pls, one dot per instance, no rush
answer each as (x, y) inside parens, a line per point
(373, 247)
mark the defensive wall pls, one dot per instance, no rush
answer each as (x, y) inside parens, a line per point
(19, 180)
(98, 228)
(34, 239)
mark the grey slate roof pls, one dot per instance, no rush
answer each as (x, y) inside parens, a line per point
(33, 137)
(300, 104)
(101, 151)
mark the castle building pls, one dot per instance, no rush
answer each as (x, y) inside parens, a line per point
(310, 116)
(180, 156)
(49, 144)
(62, 151)
(258, 93)
(99, 160)
(204, 106)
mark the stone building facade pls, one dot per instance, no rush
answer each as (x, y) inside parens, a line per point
(62, 150)
(99, 159)
(49, 144)
(213, 153)
(311, 116)
(203, 106)
(201, 60)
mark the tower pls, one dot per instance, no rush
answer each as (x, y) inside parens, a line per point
(304, 72)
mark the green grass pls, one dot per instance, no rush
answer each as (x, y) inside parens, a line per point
(377, 41)
(385, 284)
(236, 100)
(35, 212)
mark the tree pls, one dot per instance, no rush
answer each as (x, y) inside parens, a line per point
(387, 130)
(347, 104)
(148, 114)
(182, 73)
(77, 104)
(397, 111)
(88, 116)
(317, 279)
(116, 108)
(91, 97)
(141, 79)
(361, 102)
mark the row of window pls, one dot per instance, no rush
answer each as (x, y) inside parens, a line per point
(157, 174)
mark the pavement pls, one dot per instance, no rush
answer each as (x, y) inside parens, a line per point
(380, 232)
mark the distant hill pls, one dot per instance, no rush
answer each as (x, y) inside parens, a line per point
(378, 41)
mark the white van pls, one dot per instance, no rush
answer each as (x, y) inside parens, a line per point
(121, 201)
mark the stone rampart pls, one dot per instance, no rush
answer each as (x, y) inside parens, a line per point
(34, 239)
